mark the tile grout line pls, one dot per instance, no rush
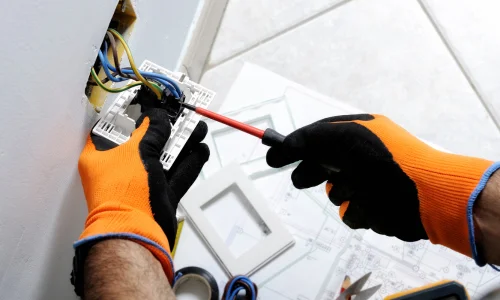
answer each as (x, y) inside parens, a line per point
(207, 59)
(276, 35)
(461, 65)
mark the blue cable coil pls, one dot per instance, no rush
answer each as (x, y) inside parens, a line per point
(170, 84)
(235, 286)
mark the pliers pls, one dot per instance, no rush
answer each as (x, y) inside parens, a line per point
(355, 290)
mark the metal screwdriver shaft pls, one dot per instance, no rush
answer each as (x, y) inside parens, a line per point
(269, 137)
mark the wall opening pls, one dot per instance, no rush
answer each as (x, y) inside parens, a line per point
(123, 21)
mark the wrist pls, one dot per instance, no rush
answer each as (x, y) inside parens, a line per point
(486, 211)
(118, 268)
(109, 221)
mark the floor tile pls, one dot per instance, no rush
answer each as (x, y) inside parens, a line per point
(246, 22)
(381, 56)
(471, 28)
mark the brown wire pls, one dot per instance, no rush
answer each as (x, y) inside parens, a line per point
(115, 73)
(116, 59)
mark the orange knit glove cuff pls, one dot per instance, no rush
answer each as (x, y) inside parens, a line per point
(444, 182)
(116, 220)
(445, 187)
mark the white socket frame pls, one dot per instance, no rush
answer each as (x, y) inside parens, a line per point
(271, 246)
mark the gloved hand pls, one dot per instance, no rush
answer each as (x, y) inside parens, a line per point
(128, 193)
(389, 181)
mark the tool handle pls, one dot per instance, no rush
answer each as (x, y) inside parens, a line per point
(272, 138)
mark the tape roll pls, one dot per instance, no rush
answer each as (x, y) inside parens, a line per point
(184, 275)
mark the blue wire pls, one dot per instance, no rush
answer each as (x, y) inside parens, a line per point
(231, 285)
(161, 76)
(160, 79)
(171, 83)
(233, 294)
(167, 82)
(236, 291)
(105, 67)
(252, 288)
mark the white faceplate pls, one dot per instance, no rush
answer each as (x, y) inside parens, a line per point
(273, 241)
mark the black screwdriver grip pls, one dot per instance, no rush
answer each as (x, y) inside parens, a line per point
(272, 138)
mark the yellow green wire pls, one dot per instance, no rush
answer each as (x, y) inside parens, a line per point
(119, 90)
(132, 63)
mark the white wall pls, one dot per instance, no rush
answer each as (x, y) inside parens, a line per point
(46, 52)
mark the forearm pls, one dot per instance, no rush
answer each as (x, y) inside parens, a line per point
(123, 269)
(487, 220)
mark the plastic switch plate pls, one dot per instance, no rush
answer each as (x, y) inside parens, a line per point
(116, 126)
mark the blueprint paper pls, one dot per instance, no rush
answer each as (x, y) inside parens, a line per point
(325, 250)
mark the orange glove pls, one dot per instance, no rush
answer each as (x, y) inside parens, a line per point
(389, 181)
(129, 195)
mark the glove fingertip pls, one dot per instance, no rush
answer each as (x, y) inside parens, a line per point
(308, 174)
(273, 157)
(353, 215)
(297, 182)
(203, 128)
(339, 193)
(204, 152)
(199, 133)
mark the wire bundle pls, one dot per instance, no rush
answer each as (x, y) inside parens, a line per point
(153, 81)
(238, 284)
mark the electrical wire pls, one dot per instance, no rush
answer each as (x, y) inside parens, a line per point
(111, 90)
(121, 89)
(236, 285)
(112, 76)
(106, 66)
(162, 79)
(132, 63)
(167, 82)
(127, 73)
(149, 74)
(116, 59)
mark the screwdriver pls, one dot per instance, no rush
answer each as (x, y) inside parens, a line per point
(269, 136)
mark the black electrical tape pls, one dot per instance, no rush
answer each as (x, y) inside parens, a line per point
(194, 273)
